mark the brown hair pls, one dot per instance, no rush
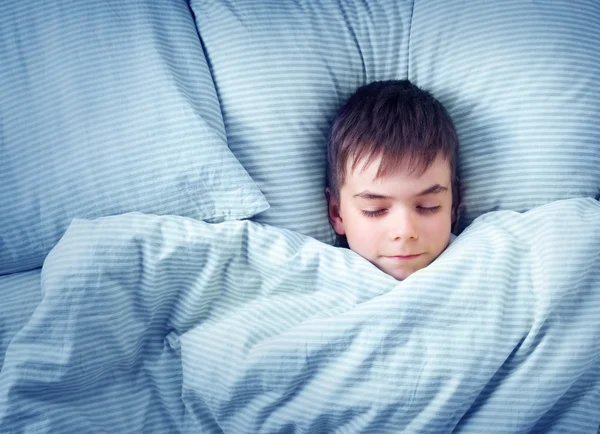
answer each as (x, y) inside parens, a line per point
(397, 120)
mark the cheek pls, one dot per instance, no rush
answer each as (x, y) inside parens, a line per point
(439, 228)
(361, 234)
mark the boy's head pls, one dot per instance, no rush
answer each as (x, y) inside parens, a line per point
(391, 172)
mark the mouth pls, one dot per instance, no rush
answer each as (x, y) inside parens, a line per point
(403, 257)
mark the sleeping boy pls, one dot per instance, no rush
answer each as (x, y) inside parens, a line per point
(393, 190)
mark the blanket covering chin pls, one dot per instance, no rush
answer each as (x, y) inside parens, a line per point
(166, 324)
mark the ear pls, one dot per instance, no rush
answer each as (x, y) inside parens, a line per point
(334, 213)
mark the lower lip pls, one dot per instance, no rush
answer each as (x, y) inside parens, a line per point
(403, 258)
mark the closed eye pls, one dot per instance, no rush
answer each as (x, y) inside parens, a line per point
(375, 213)
(428, 209)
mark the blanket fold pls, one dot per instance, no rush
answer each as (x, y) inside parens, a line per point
(166, 324)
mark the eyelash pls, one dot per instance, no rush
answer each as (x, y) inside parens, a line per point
(429, 210)
(377, 213)
(422, 210)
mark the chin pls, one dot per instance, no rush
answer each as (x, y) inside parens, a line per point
(399, 274)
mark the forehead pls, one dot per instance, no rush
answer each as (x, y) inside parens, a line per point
(364, 170)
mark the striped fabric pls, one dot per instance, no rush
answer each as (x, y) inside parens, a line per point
(282, 69)
(521, 79)
(20, 293)
(167, 324)
(105, 108)
(522, 83)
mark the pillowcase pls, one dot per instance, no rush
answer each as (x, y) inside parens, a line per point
(107, 108)
(282, 70)
(521, 81)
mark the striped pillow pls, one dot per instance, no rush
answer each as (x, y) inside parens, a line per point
(521, 80)
(107, 108)
(282, 69)
(522, 83)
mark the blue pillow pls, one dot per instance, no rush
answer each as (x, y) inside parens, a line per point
(107, 108)
(282, 69)
(521, 80)
(522, 83)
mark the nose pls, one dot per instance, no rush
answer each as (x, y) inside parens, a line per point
(405, 226)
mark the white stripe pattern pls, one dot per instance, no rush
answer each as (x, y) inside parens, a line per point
(107, 108)
(282, 69)
(522, 83)
(521, 80)
(258, 329)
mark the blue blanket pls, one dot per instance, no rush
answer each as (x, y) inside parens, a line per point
(166, 324)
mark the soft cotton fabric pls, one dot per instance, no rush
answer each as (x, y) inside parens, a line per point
(167, 324)
(282, 69)
(520, 79)
(106, 108)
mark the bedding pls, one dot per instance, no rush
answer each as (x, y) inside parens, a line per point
(105, 108)
(521, 79)
(19, 296)
(153, 129)
(169, 324)
(282, 69)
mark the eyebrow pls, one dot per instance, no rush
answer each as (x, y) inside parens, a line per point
(434, 189)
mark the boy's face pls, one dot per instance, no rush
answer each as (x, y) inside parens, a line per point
(400, 222)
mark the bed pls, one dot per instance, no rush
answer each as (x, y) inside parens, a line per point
(166, 260)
